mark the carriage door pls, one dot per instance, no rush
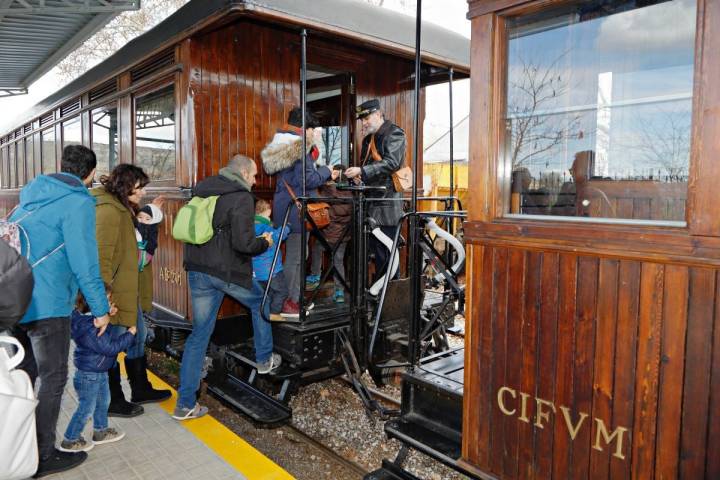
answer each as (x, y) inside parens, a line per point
(330, 96)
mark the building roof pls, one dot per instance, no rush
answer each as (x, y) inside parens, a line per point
(35, 35)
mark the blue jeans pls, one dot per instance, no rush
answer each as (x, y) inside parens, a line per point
(207, 293)
(93, 393)
(137, 349)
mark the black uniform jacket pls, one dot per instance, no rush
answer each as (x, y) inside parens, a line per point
(390, 144)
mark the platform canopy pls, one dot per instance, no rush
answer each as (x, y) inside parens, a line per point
(35, 35)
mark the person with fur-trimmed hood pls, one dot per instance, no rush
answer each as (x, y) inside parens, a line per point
(282, 158)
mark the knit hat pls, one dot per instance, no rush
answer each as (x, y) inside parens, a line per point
(154, 211)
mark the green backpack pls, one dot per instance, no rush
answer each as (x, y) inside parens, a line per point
(193, 222)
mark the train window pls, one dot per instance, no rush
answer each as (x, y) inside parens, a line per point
(29, 159)
(3, 167)
(47, 140)
(20, 161)
(155, 134)
(599, 108)
(105, 138)
(72, 132)
(12, 172)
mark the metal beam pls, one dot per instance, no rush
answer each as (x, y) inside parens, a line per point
(25, 7)
(11, 92)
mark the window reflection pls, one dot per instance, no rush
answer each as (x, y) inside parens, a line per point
(599, 109)
(155, 134)
(47, 140)
(104, 139)
(72, 132)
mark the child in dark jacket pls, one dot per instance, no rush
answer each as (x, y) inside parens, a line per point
(336, 234)
(94, 356)
(263, 262)
(146, 232)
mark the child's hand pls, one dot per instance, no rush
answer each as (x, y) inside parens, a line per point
(113, 310)
(268, 237)
(132, 330)
(159, 201)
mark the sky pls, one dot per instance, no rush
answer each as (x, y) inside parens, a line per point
(450, 14)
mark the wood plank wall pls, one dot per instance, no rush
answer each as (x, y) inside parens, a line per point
(628, 343)
(582, 334)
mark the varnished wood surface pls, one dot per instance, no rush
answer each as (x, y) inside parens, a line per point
(627, 342)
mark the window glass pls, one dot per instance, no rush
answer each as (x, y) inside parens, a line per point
(12, 177)
(72, 132)
(155, 134)
(47, 140)
(599, 107)
(3, 167)
(104, 138)
(20, 162)
(29, 159)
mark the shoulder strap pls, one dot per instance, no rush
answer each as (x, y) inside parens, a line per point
(290, 190)
(373, 150)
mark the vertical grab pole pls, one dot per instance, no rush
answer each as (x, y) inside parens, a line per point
(415, 270)
(303, 159)
(451, 221)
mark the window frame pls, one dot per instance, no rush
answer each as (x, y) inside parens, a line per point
(153, 87)
(501, 211)
(118, 160)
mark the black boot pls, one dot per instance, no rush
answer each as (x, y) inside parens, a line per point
(142, 390)
(119, 407)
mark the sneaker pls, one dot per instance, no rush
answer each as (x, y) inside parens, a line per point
(276, 317)
(270, 364)
(108, 435)
(290, 309)
(339, 295)
(77, 445)
(187, 413)
(58, 462)
(312, 282)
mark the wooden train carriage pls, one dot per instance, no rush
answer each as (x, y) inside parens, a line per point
(217, 78)
(594, 335)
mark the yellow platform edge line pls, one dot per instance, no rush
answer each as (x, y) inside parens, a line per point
(245, 458)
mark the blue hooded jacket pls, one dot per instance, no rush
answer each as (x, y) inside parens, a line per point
(93, 353)
(56, 209)
(263, 262)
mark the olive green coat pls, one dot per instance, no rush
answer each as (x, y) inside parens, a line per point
(118, 252)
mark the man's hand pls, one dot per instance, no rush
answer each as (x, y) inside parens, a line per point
(353, 172)
(101, 323)
(132, 330)
(268, 237)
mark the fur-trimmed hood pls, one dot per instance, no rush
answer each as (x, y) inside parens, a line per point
(282, 152)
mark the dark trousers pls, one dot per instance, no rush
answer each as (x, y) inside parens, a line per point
(47, 345)
(382, 254)
(278, 292)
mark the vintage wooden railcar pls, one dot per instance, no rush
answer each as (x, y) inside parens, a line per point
(593, 347)
(217, 78)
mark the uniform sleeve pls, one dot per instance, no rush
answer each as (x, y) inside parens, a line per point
(393, 158)
(78, 229)
(243, 228)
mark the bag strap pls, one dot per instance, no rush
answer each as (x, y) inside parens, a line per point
(39, 261)
(372, 150)
(16, 359)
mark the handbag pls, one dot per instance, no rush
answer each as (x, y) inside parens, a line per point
(402, 179)
(319, 212)
(18, 442)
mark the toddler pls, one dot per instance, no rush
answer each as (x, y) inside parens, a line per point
(262, 263)
(146, 233)
(94, 355)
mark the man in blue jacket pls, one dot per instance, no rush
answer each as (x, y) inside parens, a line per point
(58, 214)
(283, 158)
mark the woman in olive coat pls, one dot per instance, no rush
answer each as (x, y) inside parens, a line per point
(117, 204)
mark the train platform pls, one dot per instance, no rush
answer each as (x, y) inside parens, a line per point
(157, 447)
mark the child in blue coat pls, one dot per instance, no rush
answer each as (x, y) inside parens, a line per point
(263, 262)
(94, 356)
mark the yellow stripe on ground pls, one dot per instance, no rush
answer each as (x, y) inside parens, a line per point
(223, 441)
